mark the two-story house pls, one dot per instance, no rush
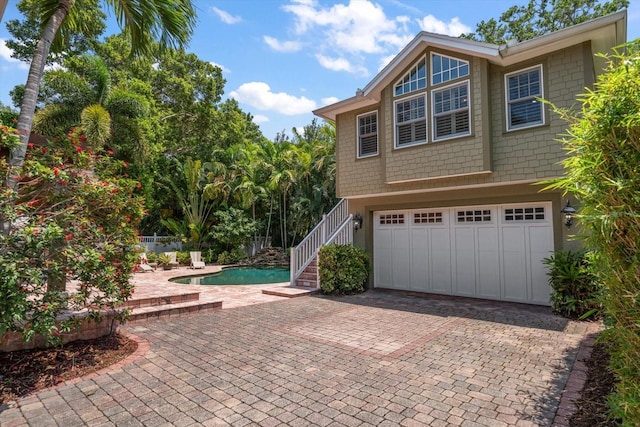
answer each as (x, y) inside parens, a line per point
(442, 154)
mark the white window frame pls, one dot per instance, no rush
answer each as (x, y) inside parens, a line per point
(412, 121)
(400, 82)
(359, 148)
(434, 116)
(508, 102)
(433, 74)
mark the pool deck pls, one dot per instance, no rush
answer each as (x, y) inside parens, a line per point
(156, 296)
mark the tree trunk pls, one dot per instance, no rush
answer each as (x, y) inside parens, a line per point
(28, 107)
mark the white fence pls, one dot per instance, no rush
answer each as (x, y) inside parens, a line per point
(159, 244)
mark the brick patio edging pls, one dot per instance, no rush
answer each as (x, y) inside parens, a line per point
(577, 378)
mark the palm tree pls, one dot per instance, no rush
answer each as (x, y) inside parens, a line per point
(169, 21)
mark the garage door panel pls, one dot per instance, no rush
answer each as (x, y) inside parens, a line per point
(440, 261)
(488, 263)
(401, 256)
(420, 251)
(541, 241)
(514, 264)
(383, 258)
(465, 261)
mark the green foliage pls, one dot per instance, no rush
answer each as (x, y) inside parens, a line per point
(184, 258)
(235, 255)
(538, 17)
(343, 269)
(576, 293)
(603, 142)
(232, 229)
(163, 259)
(71, 218)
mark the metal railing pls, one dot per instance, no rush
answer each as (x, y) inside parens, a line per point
(328, 228)
(157, 243)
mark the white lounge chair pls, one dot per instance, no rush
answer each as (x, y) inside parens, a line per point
(174, 262)
(144, 266)
(196, 260)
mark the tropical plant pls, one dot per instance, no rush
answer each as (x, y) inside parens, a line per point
(71, 216)
(603, 142)
(232, 229)
(576, 293)
(163, 260)
(171, 21)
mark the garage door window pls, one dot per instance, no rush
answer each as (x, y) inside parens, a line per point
(427, 218)
(524, 214)
(479, 215)
(391, 219)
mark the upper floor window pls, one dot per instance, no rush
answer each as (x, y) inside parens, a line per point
(410, 121)
(415, 79)
(451, 111)
(445, 68)
(522, 90)
(368, 134)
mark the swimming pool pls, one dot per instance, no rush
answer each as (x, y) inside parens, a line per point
(250, 275)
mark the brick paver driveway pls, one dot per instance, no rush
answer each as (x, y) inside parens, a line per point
(373, 359)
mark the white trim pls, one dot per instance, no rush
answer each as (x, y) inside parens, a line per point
(507, 102)
(440, 189)
(415, 65)
(450, 57)
(466, 82)
(395, 123)
(358, 147)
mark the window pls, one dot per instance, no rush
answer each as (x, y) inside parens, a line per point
(451, 111)
(445, 68)
(524, 214)
(427, 218)
(522, 89)
(415, 79)
(411, 122)
(391, 219)
(483, 215)
(368, 134)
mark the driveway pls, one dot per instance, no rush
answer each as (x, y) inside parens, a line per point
(372, 359)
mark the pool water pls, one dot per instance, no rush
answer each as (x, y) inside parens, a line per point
(254, 275)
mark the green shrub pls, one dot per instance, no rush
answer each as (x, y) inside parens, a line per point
(343, 269)
(184, 258)
(576, 292)
(602, 171)
(232, 257)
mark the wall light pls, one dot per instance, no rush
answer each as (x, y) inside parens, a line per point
(357, 222)
(568, 211)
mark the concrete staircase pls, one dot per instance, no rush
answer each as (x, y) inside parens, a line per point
(170, 305)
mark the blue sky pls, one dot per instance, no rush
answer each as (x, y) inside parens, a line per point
(282, 59)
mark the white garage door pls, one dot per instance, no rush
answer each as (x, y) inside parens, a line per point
(492, 252)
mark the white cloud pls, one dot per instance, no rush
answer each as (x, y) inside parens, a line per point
(260, 118)
(222, 67)
(329, 100)
(226, 17)
(278, 46)
(341, 64)
(452, 28)
(5, 54)
(260, 96)
(384, 61)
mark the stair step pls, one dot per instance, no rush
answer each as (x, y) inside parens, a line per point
(308, 276)
(141, 314)
(162, 300)
(290, 291)
(306, 283)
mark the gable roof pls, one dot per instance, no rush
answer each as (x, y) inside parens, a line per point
(603, 33)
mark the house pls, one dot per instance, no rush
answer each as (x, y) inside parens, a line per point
(442, 155)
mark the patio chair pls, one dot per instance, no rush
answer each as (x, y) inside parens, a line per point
(144, 265)
(174, 262)
(196, 260)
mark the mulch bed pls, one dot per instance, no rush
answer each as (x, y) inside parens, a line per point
(592, 405)
(28, 371)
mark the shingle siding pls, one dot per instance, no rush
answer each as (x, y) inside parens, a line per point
(525, 154)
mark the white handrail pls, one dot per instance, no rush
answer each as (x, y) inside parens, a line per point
(303, 254)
